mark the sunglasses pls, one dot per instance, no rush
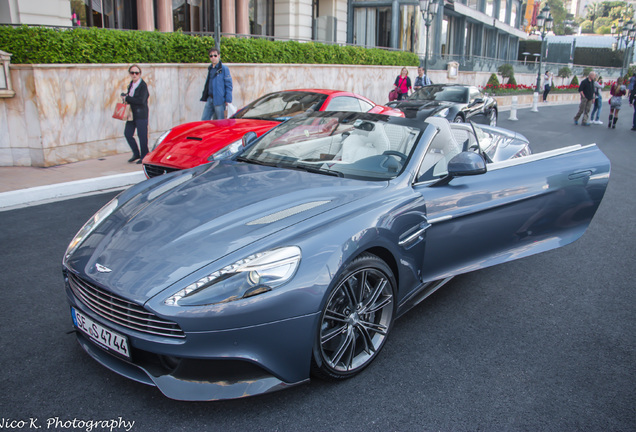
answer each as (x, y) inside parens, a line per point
(213, 55)
(134, 73)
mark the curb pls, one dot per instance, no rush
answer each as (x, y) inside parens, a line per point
(42, 194)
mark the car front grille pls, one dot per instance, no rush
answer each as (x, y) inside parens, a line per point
(156, 170)
(117, 310)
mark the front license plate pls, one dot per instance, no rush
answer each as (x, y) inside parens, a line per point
(104, 337)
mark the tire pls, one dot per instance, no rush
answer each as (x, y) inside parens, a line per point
(356, 319)
(492, 121)
(458, 119)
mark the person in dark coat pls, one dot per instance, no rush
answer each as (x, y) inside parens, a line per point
(586, 91)
(137, 97)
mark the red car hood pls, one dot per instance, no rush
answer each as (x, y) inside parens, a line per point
(189, 145)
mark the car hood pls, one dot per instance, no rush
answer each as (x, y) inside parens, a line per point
(195, 217)
(412, 107)
(191, 144)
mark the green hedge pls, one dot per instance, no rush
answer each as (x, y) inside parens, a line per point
(95, 45)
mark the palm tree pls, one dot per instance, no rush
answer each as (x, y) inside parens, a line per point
(594, 11)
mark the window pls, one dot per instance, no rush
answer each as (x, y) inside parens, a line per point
(261, 16)
(502, 10)
(513, 14)
(345, 103)
(475, 94)
(372, 26)
(490, 8)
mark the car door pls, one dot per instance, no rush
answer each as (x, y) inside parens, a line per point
(517, 208)
(475, 108)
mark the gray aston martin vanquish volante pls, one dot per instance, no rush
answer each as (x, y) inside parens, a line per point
(294, 257)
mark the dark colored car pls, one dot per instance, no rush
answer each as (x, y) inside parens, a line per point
(191, 144)
(455, 102)
(294, 257)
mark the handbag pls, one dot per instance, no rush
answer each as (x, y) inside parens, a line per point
(123, 112)
(393, 95)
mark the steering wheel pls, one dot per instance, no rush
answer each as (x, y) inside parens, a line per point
(398, 154)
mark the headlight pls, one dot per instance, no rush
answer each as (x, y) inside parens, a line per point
(90, 226)
(253, 275)
(160, 139)
(227, 151)
(442, 113)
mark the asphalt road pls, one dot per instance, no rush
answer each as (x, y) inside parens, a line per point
(546, 343)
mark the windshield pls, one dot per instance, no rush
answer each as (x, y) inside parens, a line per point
(361, 146)
(282, 106)
(441, 93)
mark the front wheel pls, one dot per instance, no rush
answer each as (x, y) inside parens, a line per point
(355, 320)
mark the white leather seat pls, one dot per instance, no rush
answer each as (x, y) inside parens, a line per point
(441, 150)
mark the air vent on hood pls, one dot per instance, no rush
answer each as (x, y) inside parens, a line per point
(195, 138)
(280, 215)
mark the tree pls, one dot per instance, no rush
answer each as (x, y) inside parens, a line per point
(564, 73)
(559, 14)
(493, 81)
(506, 71)
(594, 11)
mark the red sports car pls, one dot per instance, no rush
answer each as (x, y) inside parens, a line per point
(197, 143)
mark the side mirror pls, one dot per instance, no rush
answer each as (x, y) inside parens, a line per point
(476, 101)
(466, 163)
(248, 138)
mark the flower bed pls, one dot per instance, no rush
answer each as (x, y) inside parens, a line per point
(513, 89)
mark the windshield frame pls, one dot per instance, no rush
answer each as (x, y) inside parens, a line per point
(298, 144)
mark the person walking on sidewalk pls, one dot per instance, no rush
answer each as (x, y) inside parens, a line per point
(402, 84)
(137, 97)
(598, 102)
(547, 85)
(421, 80)
(617, 91)
(586, 90)
(217, 92)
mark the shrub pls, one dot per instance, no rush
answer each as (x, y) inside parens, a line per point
(493, 81)
(95, 45)
(575, 81)
(512, 80)
(506, 71)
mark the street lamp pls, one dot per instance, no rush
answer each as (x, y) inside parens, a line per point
(428, 9)
(626, 33)
(544, 25)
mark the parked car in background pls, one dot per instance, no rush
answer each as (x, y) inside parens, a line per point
(456, 102)
(294, 257)
(196, 143)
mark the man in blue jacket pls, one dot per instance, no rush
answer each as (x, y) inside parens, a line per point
(217, 92)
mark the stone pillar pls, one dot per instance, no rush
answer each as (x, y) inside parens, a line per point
(228, 16)
(145, 15)
(242, 17)
(164, 15)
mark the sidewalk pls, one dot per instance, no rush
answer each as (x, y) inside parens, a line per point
(24, 186)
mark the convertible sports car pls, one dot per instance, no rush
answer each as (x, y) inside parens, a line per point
(197, 143)
(294, 257)
(456, 102)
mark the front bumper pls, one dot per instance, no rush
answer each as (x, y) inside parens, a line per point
(212, 365)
